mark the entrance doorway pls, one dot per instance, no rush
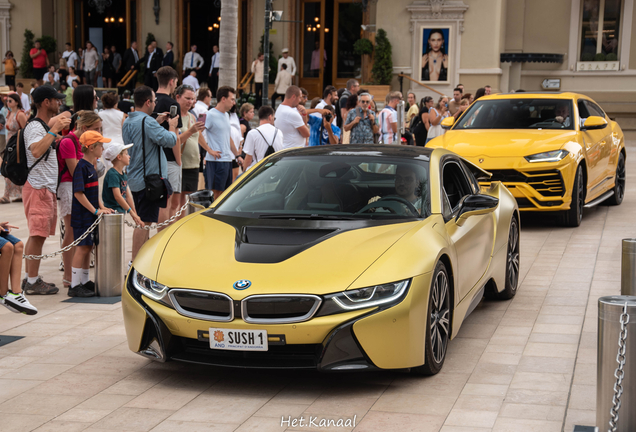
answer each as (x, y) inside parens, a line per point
(113, 25)
(204, 21)
(328, 31)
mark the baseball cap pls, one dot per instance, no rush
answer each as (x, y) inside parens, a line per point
(114, 149)
(92, 137)
(46, 92)
(285, 50)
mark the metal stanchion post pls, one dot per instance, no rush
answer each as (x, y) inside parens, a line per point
(109, 265)
(616, 374)
(628, 267)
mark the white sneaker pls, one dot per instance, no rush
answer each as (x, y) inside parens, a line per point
(18, 303)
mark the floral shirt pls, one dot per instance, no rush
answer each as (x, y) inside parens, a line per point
(362, 133)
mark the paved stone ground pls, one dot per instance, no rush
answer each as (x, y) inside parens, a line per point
(522, 365)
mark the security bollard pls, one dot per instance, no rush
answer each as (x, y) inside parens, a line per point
(200, 200)
(616, 374)
(109, 265)
(628, 267)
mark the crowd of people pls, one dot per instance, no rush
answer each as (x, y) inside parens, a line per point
(143, 153)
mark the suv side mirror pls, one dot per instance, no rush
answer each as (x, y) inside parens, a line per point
(594, 122)
(448, 122)
(476, 205)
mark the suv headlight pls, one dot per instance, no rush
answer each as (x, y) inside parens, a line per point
(551, 156)
(383, 295)
(148, 287)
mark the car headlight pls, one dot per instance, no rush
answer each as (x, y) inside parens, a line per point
(551, 156)
(148, 287)
(383, 295)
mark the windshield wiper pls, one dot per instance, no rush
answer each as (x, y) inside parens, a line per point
(306, 216)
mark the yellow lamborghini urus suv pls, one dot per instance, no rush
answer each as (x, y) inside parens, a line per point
(554, 151)
(336, 258)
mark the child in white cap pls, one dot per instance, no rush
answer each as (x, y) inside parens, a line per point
(116, 193)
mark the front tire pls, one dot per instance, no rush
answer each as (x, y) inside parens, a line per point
(512, 264)
(572, 218)
(438, 323)
(619, 182)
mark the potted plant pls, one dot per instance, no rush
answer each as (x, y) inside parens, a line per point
(382, 70)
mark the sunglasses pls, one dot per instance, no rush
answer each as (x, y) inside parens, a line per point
(365, 102)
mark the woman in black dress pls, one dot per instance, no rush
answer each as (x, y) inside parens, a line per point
(107, 68)
(421, 129)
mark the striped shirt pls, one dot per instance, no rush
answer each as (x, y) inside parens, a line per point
(44, 174)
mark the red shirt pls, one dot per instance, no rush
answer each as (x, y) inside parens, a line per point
(39, 61)
(68, 150)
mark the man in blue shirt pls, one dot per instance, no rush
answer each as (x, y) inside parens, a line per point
(321, 129)
(218, 172)
(155, 161)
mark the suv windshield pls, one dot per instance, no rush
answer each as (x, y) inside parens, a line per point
(518, 114)
(347, 186)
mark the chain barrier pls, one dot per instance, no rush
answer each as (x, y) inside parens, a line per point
(96, 223)
(162, 224)
(619, 374)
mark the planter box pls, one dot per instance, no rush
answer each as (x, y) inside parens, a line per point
(379, 92)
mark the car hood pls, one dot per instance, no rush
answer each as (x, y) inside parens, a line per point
(502, 143)
(205, 253)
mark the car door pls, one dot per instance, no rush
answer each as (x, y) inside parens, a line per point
(473, 240)
(593, 149)
(607, 143)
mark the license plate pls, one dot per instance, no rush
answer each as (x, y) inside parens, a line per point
(238, 340)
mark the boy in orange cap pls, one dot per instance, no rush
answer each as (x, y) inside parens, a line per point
(85, 210)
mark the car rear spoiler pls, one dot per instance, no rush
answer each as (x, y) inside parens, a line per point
(479, 173)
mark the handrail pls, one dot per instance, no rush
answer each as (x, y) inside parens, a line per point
(126, 78)
(245, 81)
(422, 84)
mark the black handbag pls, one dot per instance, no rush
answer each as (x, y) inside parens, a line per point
(157, 187)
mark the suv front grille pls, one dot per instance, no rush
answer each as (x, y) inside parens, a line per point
(547, 183)
(204, 305)
(269, 309)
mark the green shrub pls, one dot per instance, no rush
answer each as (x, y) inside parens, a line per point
(273, 61)
(48, 43)
(383, 62)
(26, 64)
(362, 47)
(611, 57)
(150, 38)
(599, 57)
(587, 57)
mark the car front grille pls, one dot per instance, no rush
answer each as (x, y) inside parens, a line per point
(270, 309)
(204, 305)
(548, 183)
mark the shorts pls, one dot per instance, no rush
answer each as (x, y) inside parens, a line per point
(65, 199)
(174, 176)
(235, 164)
(40, 209)
(5, 238)
(190, 180)
(148, 211)
(90, 75)
(9, 80)
(218, 175)
(38, 73)
(91, 240)
(79, 73)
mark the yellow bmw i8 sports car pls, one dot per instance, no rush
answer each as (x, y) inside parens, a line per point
(554, 151)
(337, 258)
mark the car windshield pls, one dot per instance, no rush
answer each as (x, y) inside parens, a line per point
(347, 186)
(518, 114)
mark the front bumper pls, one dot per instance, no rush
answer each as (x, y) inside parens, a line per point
(366, 339)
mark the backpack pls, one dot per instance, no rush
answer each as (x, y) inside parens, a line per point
(270, 147)
(14, 160)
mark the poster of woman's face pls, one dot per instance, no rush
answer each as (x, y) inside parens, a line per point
(435, 55)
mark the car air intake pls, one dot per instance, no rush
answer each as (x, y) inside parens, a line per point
(203, 305)
(278, 309)
(283, 236)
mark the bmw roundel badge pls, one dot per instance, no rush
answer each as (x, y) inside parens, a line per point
(242, 284)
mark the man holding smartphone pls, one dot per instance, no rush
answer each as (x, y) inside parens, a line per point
(361, 122)
(322, 130)
(167, 78)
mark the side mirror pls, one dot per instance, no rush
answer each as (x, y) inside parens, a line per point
(476, 205)
(594, 122)
(448, 122)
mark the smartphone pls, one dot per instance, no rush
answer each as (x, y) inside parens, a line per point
(173, 111)
(202, 117)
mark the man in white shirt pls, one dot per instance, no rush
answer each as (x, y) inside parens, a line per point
(213, 75)
(388, 119)
(258, 69)
(192, 81)
(56, 76)
(265, 135)
(70, 56)
(24, 98)
(290, 120)
(287, 60)
(204, 98)
(283, 81)
(329, 97)
(192, 60)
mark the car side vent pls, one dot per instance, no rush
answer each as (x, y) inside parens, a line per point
(282, 236)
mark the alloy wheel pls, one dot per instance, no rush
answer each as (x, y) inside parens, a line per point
(513, 255)
(581, 193)
(440, 317)
(620, 179)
